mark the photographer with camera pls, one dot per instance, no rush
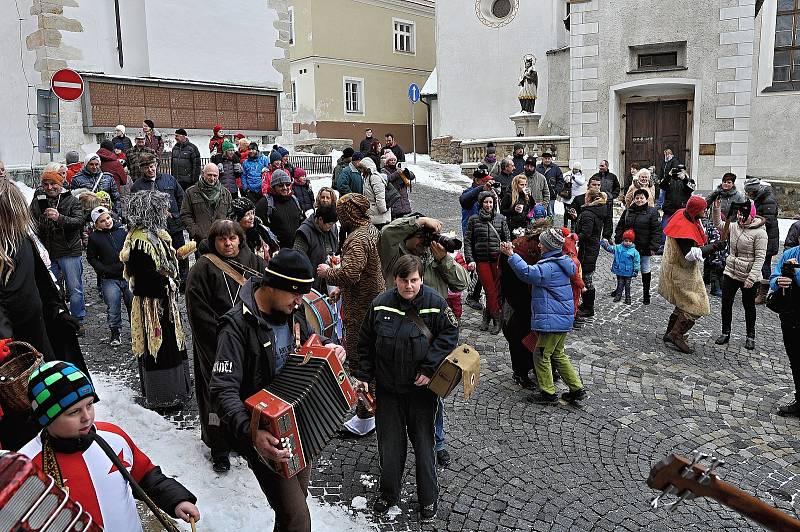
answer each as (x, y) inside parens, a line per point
(784, 298)
(421, 236)
(678, 188)
(747, 234)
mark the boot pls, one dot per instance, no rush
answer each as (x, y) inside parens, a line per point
(677, 338)
(761, 296)
(496, 327)
(587, 309)
(716, 286)
(487, 321)
(723, 338)
(670, 325)
(646, 277)
(618, 296)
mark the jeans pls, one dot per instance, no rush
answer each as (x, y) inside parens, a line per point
(766, 269)
(115, 291)
(71, 268)
(729, 288)
(552, 348)
(660, 202)
(400, 417)
(645, 264)
(438, 427)
(624, 283)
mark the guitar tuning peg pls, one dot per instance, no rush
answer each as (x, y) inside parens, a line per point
(657, 500)
(697, 457)
(705, 478)
(686, 495)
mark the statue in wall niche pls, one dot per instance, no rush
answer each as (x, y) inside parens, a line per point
(528, 84)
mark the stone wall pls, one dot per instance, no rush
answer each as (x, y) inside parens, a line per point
(446, 150)
(321, 146)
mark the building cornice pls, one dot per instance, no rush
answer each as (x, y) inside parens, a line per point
(423, 8)
(318, 60)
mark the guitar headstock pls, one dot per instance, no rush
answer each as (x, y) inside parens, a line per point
(676, 475)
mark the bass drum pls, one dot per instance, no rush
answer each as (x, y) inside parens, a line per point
(320, 314)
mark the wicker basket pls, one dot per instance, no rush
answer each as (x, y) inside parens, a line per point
(14, 375)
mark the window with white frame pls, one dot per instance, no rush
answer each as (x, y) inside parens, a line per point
(403, 36)
(291, 25)
(354, 95)
(294, 96)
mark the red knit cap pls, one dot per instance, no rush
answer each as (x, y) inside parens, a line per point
(217, 128)
(52, 177)
(629, 235)
(696, 206)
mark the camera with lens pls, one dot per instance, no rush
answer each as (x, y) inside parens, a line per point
(675, 172)
(788, 268)
(448, 242)
(742, 208)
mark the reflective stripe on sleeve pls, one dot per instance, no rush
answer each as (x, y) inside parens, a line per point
(390, 309)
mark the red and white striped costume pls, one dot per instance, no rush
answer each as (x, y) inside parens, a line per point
(95, 482)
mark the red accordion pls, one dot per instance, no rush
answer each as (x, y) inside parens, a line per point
(31, 500)
(305, 405)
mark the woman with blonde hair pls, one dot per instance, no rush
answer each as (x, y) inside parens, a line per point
(326, 196)
(643, 180)
(517, 203)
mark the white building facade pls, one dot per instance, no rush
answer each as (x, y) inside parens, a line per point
(718, 83)
(181, 64)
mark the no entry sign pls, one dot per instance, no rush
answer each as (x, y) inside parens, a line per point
(67, 85)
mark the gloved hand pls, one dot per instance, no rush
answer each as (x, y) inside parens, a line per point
(65, 318)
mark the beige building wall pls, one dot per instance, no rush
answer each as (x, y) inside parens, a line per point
(339, 39)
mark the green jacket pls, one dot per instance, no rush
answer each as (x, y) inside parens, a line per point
(440, 276)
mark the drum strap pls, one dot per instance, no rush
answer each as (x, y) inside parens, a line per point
(226, 268)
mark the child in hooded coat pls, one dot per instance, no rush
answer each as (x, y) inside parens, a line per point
(627, 262)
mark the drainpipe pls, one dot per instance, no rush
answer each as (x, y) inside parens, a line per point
(423, 99)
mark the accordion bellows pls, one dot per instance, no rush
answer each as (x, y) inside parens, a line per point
(305, 405)
(31, 500)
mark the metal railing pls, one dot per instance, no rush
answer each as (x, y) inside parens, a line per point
(312, 164)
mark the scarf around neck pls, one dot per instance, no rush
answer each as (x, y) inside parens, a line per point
(210, 192)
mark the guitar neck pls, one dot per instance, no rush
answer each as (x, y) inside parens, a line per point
(765, 515)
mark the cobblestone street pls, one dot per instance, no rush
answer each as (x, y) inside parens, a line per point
(518, 466)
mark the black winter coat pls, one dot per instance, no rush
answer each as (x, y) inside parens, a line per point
(515, 219)
(482, 241)
(245, 364)
(668, 166)
(793, 236)
(103, 249)
(185, 163)
(62, 237)
(767, 206)
(678, 193)
(283, 215)
(392, 350)
(315, 244)
(230, 171)
(609, 183)
(646, 223)
(590, 230)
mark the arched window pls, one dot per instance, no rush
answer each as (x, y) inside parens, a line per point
(786, 64)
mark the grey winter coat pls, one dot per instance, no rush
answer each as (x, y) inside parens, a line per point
(484, 234)
(726, 197)
(748, 247)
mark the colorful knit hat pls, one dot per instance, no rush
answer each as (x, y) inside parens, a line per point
(629, 235)
(539, 211)
(55, 386)
(552, 239)
(228, 145)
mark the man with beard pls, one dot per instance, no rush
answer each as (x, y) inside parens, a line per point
(280, 210)
(254, 341)
(360, 280)
(537, 183)
(212, 289)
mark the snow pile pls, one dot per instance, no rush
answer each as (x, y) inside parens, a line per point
(25, 189)
(446, 177)
(359, 503)
(367, 481)
(227, 502)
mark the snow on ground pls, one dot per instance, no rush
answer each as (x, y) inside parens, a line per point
(227, 502)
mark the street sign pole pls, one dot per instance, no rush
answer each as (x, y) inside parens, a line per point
(413, 97)
(414, 132)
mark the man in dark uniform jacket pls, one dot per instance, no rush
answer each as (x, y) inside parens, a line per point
(406, 334)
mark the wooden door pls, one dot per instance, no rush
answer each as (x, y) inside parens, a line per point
(652, 127)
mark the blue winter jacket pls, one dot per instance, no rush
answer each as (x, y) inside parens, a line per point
(552, 306)
(251, 176)
(791, 253)
(626, 259)
(469, 205)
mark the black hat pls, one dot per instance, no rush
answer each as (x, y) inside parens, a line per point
(253, 146)
(240, 207)
(290, 271)
(348, 152)
(519, 146)
(547, 154)
(181, 131)
(531, 160)
(54, 387)
(357, 156)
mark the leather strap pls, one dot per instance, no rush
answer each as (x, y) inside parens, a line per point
(255, 421)
(226, 268)
(413, 316)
